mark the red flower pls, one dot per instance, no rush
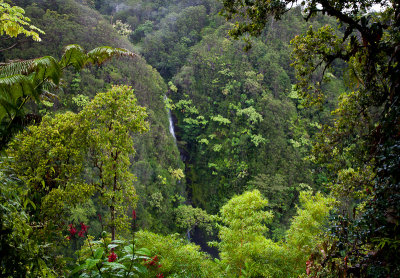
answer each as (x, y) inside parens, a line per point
(84, 228)
(81, 233)
(160, 275)
(72, 230)
(112, 257)
(134, 214)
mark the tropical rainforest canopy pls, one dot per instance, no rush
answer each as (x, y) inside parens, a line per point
(199, 138)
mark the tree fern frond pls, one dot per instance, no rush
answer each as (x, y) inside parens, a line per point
(38, 78)
(46, 68)
(7, 107)
(16, 86)
(48, 88)
(16, 67)
(74, 55)
(13, 79)
(101, 54)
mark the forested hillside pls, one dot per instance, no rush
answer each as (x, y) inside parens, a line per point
(239, 123)
(132, 130)
(68, 22)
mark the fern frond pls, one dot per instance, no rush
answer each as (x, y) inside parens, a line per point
(46, 68)
(48, 88)
(12, 88)
(16, 86)
(74, 55)
(5, 108)
(16, 67)
(101, 54)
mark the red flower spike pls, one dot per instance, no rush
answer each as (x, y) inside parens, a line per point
(112, 257)
(81, 233)
(160, 275)
(134, 214)
(72, 230)
(84, 228)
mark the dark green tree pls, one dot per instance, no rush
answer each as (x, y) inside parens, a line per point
(361, 147)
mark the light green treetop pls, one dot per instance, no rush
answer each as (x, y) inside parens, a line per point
(50, 158)
(243, 229)
(13, 22)
(112, 118)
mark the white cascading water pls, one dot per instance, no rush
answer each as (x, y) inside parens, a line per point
(171, 123)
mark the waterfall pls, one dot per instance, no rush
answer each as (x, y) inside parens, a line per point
(171, 123)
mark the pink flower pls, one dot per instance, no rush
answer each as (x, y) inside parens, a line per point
(112, 257)
(160, 275)
(308, 267)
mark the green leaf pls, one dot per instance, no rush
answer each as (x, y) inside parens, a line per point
(117, 241)
(75, 56)
(99, 253)
(77, 269)
(90, 263)
(129, 249)
(143, 251)
(140, 268)
(112, 246)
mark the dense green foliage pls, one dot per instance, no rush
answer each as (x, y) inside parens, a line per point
(22, 81)
(360, 148)
(97, 182)
(157, 158)
(239, 123)
(13, 22)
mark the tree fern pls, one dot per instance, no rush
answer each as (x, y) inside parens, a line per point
(39, 78)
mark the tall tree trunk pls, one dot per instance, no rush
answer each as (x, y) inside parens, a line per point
(112, 208)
